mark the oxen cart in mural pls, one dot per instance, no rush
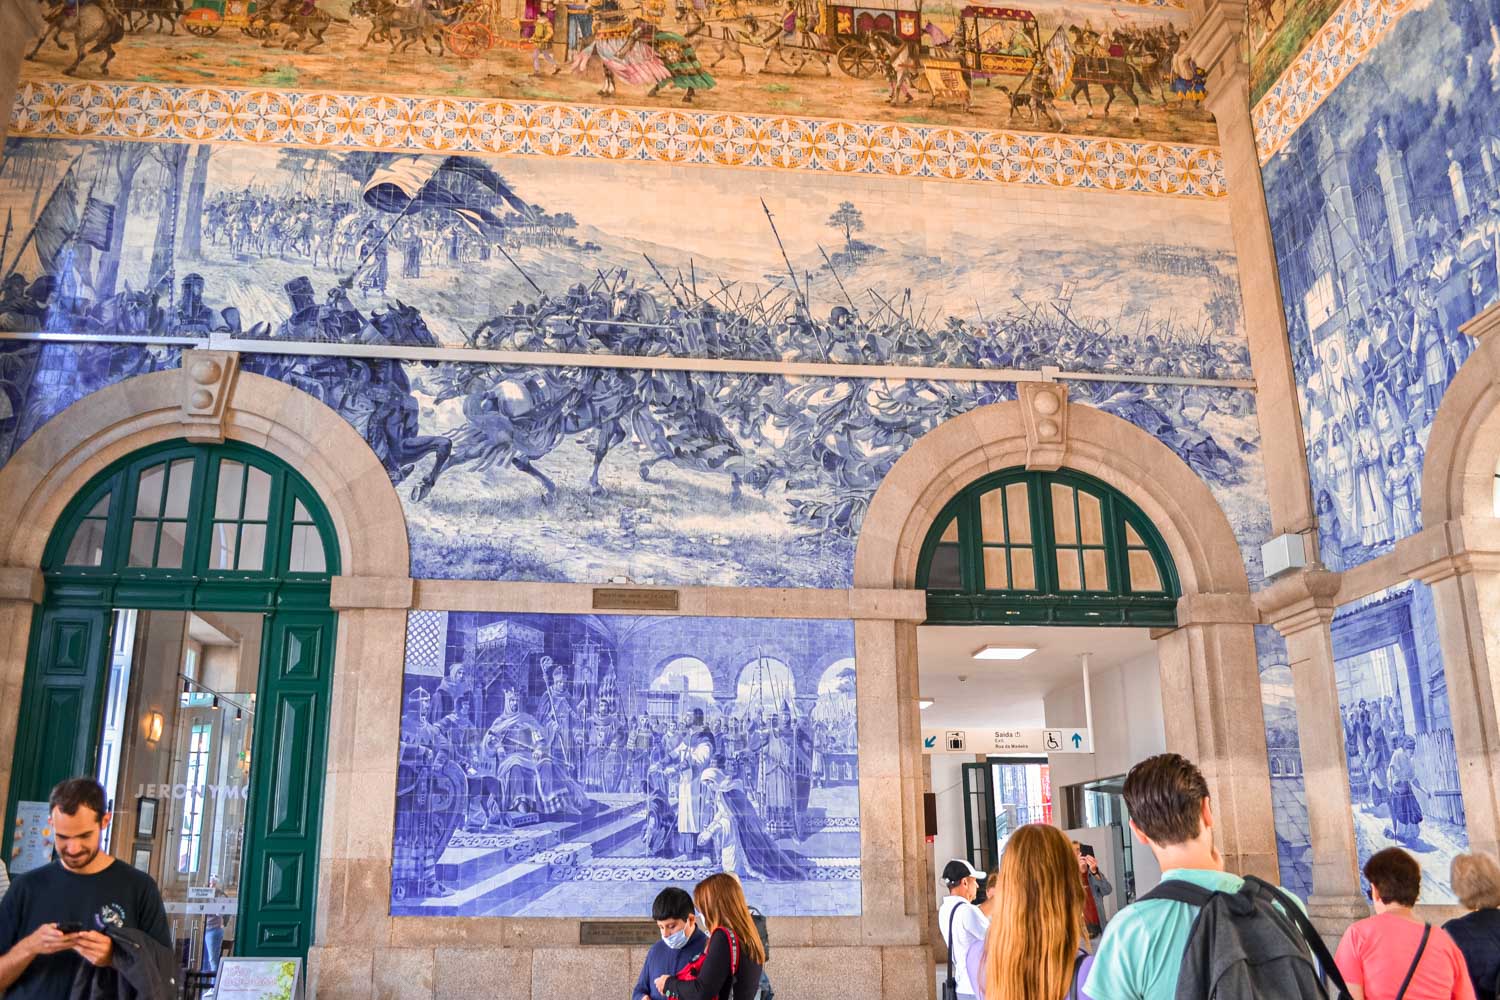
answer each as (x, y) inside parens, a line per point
(207, 16)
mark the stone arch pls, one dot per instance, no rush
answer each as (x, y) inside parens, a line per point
(1209, 677)
(994, 437)
(68, 450)
(1463, 447)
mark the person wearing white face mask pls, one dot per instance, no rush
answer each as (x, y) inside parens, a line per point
(681, 941)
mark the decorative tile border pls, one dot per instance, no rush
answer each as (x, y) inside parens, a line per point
(55, 109)
(1347, 37)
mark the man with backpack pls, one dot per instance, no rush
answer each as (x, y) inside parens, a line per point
(1204, 933)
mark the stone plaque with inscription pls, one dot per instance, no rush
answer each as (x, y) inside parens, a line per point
(618, 932)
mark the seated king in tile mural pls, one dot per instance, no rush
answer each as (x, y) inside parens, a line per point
(579, 764)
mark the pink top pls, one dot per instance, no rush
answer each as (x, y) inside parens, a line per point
(1376, 952)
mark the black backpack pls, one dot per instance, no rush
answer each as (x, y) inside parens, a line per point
(1244, 946)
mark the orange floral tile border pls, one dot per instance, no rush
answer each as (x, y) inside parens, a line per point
(74, 110)
(1347, 37)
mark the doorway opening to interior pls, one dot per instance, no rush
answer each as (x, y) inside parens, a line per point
(182, 655)
(1039, 678)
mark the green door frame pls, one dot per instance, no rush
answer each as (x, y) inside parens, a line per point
(66, 667)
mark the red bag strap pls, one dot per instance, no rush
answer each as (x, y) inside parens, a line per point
(734, 950)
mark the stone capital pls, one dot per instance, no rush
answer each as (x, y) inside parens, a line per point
(1299, 601)
(21, 583)
(1486, 323)
(350, 593)
(1217, 44)
(1216, 609)
(207, 384)
(1453, 548)
(1044, 406)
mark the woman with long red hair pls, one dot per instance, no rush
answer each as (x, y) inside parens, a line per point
(1034, 950)
(731, 964)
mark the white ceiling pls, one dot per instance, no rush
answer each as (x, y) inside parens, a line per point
(1005, 692)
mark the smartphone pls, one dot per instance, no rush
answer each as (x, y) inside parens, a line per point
(70, 927)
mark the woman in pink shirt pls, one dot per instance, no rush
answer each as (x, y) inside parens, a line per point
(1393, 955)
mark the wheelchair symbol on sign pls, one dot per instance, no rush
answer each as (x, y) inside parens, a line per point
(1053, 740)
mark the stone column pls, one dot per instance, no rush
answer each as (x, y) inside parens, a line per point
(1210, 690)
(1216, 45)
(1301, 608)
(20, 23)
(21, 590)
(1460, 561)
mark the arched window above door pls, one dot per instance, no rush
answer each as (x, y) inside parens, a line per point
(228, 517)
(1043, 548)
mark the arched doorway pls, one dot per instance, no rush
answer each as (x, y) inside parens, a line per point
(227, 548)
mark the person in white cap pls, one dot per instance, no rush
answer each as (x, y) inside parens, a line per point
(962, 924)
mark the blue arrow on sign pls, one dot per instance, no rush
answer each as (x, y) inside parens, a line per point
(1077, 741)
(930, 742)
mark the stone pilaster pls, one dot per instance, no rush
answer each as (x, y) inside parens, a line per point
(1210, 689)
(1301, 608)
(1217, 45)
(21, 590)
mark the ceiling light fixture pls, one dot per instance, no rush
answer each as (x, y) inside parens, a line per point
(924, 703)
(1004, 652)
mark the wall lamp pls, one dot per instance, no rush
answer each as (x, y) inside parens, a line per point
(153, 725)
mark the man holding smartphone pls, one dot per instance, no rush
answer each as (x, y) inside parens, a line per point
(53, 918)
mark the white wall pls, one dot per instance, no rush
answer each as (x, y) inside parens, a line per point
(1128, 727)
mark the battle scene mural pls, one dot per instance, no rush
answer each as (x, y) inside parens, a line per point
(1398, 732)
(1385, 210)
(1083, 67)
(557, 765)
(376, 248)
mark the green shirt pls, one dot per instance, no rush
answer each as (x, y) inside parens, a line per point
(1140, 955)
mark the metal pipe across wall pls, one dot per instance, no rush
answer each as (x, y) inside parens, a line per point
(555, 359)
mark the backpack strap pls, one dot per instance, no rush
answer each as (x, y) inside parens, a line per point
(1179, 890)
(1077, 967)
(1310, 937)
(1426, 933)
(952, 915)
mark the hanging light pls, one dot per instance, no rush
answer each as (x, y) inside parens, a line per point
(216, 703)
(238, 715)
(186, 686)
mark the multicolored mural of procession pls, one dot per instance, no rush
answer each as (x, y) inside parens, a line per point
(1084, 67)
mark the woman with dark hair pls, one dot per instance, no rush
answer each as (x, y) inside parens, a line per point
(730, 967)
(1393, 954)
(1476, 882)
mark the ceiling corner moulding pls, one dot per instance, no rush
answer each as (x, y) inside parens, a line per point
(442, 126)
(1004, 652)
(1341, 44)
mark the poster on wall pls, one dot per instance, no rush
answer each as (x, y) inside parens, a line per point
(1398, 733)
(576, 765)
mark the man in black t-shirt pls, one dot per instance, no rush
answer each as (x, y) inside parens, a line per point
(53, 918)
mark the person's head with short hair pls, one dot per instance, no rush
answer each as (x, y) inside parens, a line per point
(79, 817)
(673, 912)
(1395, 879)
(1167, 797)
(985, 898)
(962, 879)
(1038, 921)
(1476, 881)
(721, 900)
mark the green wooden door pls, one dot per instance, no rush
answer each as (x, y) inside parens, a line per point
(197, 527)
(59, 732)
(280, 882)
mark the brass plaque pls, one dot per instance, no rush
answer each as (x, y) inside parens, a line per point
(618, 932)
(634, 599)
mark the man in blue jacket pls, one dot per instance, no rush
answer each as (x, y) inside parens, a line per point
(681, 941)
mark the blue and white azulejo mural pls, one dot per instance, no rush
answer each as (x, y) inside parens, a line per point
(576, 765)
(1385, 209)
(1398, 732)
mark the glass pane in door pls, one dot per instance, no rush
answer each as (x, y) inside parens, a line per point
(175, 759)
